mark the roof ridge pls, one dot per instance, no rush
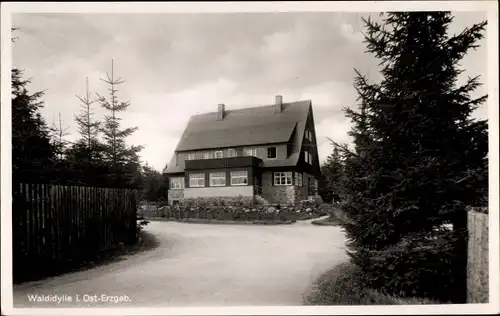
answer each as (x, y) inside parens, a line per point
(254, 107)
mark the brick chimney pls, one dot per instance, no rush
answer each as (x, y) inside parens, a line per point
(278, 104)
(220, 112)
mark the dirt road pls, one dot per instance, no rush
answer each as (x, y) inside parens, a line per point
(202, 265)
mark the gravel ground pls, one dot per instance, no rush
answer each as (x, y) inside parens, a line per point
(203, 265)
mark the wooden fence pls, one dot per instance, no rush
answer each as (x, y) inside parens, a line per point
(477, 260)
(58, 226)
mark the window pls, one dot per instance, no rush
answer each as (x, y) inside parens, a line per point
(208, 155)
(218, 154)
(306, 156)
(231, 152)
(251, 152)
(239, 178)
(197, 180)
(190, 156)
(310, 158)
(298, 179)
(217, 179)
(306, 134)
(309, 135)
(177, 183)
(271, 153)
(283, 178)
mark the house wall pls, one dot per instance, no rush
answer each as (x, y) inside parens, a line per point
(244, 190)
(284, 194)
(311, 147)
(287, 194)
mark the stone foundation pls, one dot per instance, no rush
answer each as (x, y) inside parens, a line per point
(175, 195)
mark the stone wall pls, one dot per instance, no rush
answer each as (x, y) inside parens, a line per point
(175, 195)
(287, 194)
(276, 194)
(477, 259)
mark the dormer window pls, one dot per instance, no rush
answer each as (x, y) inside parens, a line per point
(208, 155)
(251, 152)
(231, 153)
(218, 154)
(190, 156)
(271, 153)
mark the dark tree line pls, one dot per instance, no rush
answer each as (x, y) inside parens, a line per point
(419, 158)
(100, 156)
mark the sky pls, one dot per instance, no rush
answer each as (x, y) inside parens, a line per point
(178, 65)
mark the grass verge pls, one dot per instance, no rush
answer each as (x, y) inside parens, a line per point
(343, 285)
(329, 221)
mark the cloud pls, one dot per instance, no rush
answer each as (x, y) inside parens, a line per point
(177, 65)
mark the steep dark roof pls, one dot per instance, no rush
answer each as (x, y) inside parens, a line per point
(243, 127)
(237, 136)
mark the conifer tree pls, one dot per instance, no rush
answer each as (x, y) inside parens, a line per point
(330, 183)
(58, 136)
(88, 127)
(122, 158)
(419, 157)
(32, 152)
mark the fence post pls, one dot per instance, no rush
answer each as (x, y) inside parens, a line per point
(477, 259)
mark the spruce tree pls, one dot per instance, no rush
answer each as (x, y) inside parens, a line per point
(123, 159)
(153, 188)
(32, 152)
(419, 157)
(88, 127)
(58, 135)
(331, 177)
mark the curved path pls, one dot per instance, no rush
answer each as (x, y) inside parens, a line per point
(205, 265)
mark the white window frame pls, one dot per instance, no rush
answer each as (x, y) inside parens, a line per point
(275, 152)
(310, 158)
(284, 178)
(232, 153)
(190, 156)
(174, 185)
(252, 151)
(218, 176)
(199, 176)
(239, 175)
(298, 179)
(307, 134)
(208, 155)
(306, 156)
(217, 152)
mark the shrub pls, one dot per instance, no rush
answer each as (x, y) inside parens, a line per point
(216, 208)
(259, 200)
(141, 223)
(420, 266)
